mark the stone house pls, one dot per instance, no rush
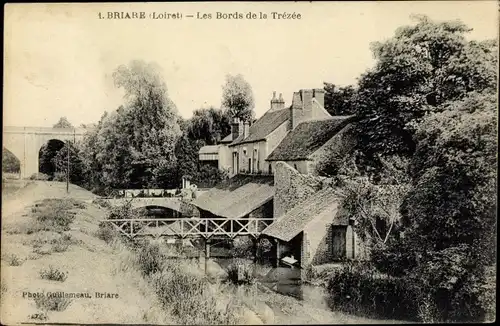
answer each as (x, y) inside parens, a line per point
(310, 224)
(246, 149)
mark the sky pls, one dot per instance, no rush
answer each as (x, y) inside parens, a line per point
(59, 58)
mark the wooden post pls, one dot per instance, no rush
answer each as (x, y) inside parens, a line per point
(207, 254)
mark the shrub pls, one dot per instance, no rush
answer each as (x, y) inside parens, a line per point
(101, 203)
(55, 214)
(39, 176)
(52, 303)
(106, 232)
(358, 288)
(150, 258)
(189, 298)
(14, 260)
(53, 274)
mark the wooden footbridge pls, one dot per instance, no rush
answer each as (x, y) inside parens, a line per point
(182, 228)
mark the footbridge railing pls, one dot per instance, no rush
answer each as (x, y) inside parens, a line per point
(190, 227)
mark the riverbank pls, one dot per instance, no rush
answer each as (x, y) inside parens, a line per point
(70, 262)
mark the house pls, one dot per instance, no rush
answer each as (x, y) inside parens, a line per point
(246, 149)
(310, 223)
(313, 142)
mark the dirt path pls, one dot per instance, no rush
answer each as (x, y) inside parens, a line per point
(92, 265)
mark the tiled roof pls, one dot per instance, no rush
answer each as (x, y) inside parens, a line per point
(237, 196)
(322, 205)
(307, 137)
(209, 149)
(264, 126)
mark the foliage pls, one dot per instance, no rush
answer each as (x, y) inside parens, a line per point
(420, 68)
(46, 156)
(134, 146)
(14, 260)
(150, 258)
(60, 161)
(209, 125)
(53, 274)
(339, 100)
(55, 214)
(10, 163)
(374, 206)
(237, 97)
(358, 288)
(63, 123)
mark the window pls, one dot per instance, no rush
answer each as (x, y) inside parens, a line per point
(270, 169)
(249, 165)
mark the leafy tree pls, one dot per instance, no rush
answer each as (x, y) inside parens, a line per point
(449, 216)
(339, 100)
(210, 125)
(63, 123)
(237, 97)
(421, 67)
(60, 161)
(133, 147)
(10, 163)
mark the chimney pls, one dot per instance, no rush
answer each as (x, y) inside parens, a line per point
(277, 103)
(307, 96)
(246, 128)
(319, 95)
(235, 128)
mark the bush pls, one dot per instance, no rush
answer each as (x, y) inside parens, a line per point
(53, 274)
(101, 203)
(52, 303)
(188, 297)
(106, 232)
(14, 260)
(55, 214)
(39, 176)
(150, 258)
(358, 288)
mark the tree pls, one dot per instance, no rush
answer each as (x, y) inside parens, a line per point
(421, 67)
(134, 145)
(449, 215)
(210, 125)
(339, 100)
(63, 123)
(10, 163)
(60, 161)
(237, 97)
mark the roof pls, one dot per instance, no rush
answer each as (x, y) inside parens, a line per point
(227, 139)
(264, 126)
(209, 149)
(237, 196)
(321, 205)
(307, 137)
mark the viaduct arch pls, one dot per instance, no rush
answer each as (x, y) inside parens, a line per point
(25, 143)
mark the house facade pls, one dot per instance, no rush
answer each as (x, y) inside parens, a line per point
(274, 164)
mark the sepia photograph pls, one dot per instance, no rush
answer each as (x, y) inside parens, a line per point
(249, 163)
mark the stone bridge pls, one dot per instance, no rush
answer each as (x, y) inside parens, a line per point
(25, 143)
(139, 202)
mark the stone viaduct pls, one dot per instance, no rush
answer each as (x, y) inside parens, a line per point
(25, 143)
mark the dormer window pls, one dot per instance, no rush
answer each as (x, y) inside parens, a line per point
(244, 151)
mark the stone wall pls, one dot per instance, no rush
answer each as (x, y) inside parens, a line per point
(291, 188)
